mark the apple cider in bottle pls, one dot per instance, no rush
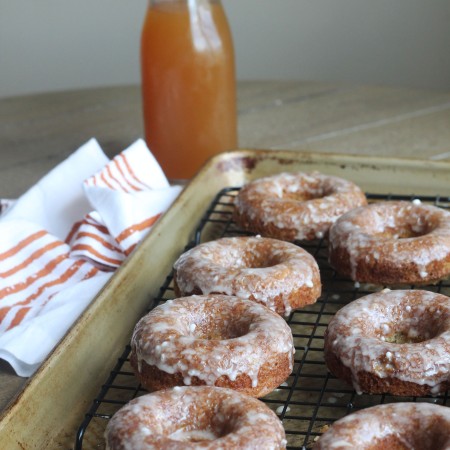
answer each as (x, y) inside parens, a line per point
(188, 84)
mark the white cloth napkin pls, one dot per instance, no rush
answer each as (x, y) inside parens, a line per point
(60, 241)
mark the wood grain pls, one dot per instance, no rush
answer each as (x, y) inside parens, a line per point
(39, 131)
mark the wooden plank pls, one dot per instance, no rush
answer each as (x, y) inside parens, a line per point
(425, 136)
(39, 131)
(365, 116)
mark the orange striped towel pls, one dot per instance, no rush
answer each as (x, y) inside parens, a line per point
(60, 241)
(128, 195)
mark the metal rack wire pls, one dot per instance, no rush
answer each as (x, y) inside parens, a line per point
(311, 399)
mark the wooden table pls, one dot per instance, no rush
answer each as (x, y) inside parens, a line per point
(38, 131)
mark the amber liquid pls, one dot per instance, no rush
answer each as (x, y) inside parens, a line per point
(188, 84)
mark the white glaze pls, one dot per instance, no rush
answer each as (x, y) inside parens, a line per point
(169, 419)
(163, 338)
(368, 235)
(306, 202)
(358, 336)
(406, 422)
(227, 266)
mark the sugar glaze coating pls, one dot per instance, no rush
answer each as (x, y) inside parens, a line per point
(295, 206)
(278, 274)
(392, 242)
(213, 340)
(391, 426)
(394, 342)
(192, 418)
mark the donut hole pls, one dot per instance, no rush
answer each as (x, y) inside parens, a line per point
(309, 192)
(260, 259)
(405, 337)
(210, 328)
(396, 222)
(413, 327)
(404, 231)
(207, 421)
(204, 425)
(301, 196)
(253, 255)
(194, 435)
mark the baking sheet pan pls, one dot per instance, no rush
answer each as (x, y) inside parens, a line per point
(46, 413)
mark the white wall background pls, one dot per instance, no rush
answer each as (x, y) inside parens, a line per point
(50, 45)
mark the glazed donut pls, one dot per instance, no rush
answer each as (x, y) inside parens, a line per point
(195, 417)
(295, 206)
(278, 274)
(395, 342)
(390, 426)
(212, 340)
(392, 242)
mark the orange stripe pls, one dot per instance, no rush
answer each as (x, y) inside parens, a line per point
(88, 275)
(22, 312)
(62, 278)
(102, 176)
(137, 227)
(130, 249)
(99, 227)
(92, 250)
(30, 280)
(22, 244)
(130, 171)
(91, 273)
(101, 240)
(31, 258)
(75, 227)
(18, 317)
(108, 169)
(132, 186)
(88, 221)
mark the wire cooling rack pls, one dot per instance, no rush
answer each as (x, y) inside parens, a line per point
(311, 398)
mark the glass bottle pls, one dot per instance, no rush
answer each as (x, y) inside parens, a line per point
(188, 84)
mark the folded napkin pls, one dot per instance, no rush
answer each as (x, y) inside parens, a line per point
(61, 241)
